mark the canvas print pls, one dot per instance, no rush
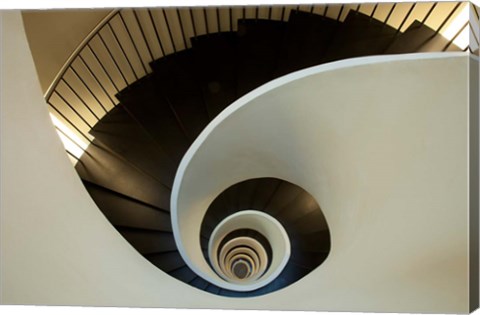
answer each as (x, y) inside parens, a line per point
(319, 157)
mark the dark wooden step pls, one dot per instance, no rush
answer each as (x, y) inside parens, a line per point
(259, 43)
(216, 64)
(265, 191)
(307, 260)
(184, 274)
(212, 289)
(103, 167)
(166, 261)
(199, 283)
(303, 205)
(419, 38)
(316, 242)
(283, 197)
(306, 40)
(145, 102)
(147, 241)
(293, 272)
(309, 223)
(246, 194)
(176, 76)
(121, 133)
(124, 211)
(359, 35)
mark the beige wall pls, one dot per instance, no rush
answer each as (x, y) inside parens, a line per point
(54, 34)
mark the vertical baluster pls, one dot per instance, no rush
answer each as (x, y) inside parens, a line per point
(103, 68)
(193, 22)
(132, 41)
(68, 121)
(113, 59)
(79, 97)
(143, 34)
(122, 50)
(156, 32)
(179, 17)
(169, 31)
(87, 87)
(97, 80)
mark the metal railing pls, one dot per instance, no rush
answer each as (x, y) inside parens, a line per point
(118, 51)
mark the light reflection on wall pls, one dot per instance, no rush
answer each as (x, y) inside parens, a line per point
(72, 143)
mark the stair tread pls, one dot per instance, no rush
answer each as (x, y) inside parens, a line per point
(125, 136)
(310, 222)
(184, 274)
(246, 193)
(303, 205)
(199, 283)
(101, 166)
(306, 41)
(293, 272)
(212, 289)
(215, 58)
(419, 38)
(284, 195)
(305, 259)
(148, 106)
(123, 211)
(148, 242)
(167, 261)
(259, 44)
(176, 76)
(265, 190)
(359, 35)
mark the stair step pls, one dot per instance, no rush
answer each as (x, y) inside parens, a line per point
(149, 107)
(359, 35)
(306, 41)
(230, 293)
(310, 222)
(204, 243)
(266, 188)
(167, 261)
(212, 289)
(124, 211)
(176, 79)
(419, 38)
(307, 260)
(283, 197)
(184, 274)
(318, 242)
(148, 242)
(275, 285)
(216, 213)
(303, 205)
(125, 136)
(215, 59)
(292, 272)
(103, 167)
(199, 283)
(259, 44)
(246, 194)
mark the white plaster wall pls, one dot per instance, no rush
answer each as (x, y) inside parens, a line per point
(58, 249)
(382, 144)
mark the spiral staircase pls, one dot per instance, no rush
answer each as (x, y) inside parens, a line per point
(135, 146)
(342, 200)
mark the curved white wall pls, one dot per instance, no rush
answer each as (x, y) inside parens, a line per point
(381, 143)
(58, 249)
